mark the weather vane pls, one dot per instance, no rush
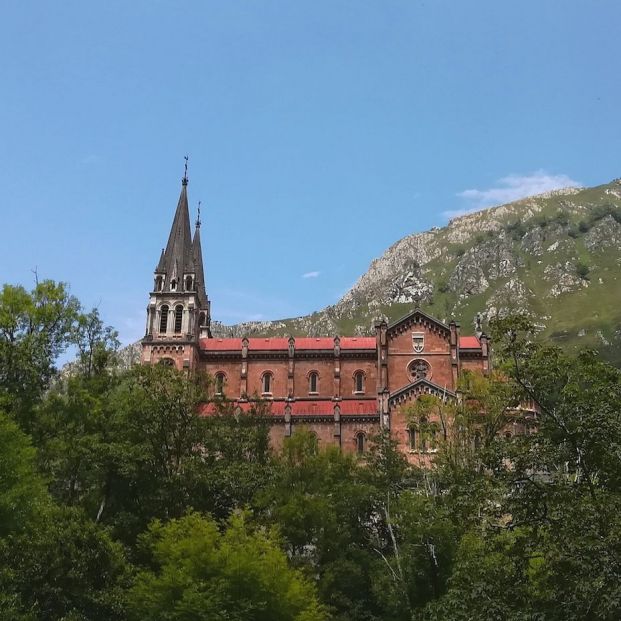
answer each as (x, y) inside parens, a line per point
(185, 172)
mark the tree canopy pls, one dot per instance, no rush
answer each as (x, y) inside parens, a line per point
(119, 499)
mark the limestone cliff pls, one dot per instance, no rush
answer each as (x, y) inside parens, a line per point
(556, 257)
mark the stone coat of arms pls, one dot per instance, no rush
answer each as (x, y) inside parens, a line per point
(418, 341)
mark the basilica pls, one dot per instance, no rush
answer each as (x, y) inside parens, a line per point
(343, 388)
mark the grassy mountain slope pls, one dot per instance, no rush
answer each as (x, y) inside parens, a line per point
(556, 257)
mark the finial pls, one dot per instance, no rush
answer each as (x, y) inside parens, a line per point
(198, 218)
(184, 181)
(417, 298)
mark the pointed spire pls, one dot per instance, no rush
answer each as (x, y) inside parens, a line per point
(197, 256)
(178, 253)
(160, 266)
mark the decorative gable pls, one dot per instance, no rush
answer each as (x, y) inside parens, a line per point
(418, 323)
(416, 388)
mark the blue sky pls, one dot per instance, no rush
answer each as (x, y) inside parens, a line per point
(319, 133)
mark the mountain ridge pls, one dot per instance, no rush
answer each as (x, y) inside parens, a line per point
(538, 255)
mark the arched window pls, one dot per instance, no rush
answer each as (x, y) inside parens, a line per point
(220, 379)
(267, 383)
(173, 285)
(178, 318)
(313, 382)
(159, 281)
(188, 283)
(412, 439)
(361, 442)
(163, 319)
(167, 362)
(358, 381)
(201, 319)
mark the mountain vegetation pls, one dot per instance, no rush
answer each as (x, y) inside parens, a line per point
(554, 257)
(119, 501)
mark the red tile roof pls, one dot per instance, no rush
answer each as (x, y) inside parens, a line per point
(319, 407)
(220, 344)
(469, 342)
(322, 342)
(358, 342)
(281, 343)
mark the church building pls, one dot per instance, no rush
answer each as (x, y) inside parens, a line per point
(343, 388)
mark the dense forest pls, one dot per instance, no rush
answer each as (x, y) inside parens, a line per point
(119, 501)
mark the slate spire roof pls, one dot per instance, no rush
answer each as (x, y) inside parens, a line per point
(197, 256)
(178, 257)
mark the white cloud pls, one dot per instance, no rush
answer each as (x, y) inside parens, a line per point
(511, 188)
(311, 275)
(89, 160)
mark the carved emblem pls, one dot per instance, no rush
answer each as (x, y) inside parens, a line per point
(418, 341)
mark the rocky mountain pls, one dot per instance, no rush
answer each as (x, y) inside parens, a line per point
(556, 257)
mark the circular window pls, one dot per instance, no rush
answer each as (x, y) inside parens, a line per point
(419, 369)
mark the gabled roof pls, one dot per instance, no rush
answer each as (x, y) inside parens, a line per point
(417, 314)
(426, 386)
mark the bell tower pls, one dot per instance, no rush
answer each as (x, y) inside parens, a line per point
(178, 314)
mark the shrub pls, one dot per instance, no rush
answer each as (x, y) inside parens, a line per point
(516, 229)
(443, 286)
(582, 269)
(541, 220)
(561, 218)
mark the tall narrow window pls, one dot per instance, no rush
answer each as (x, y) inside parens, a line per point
(178, 318)
(220, 383)
(267, 383)
(361, 441)
(412, 439)
(163, 319)
(422, 440)
(188, 283)
(313, 382)
(359, 381)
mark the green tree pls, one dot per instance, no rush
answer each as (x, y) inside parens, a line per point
(324, 504)
(544, 541)
(22, 489)
(96, 343)
(65, 568)
(196, 572)
(35, 327)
